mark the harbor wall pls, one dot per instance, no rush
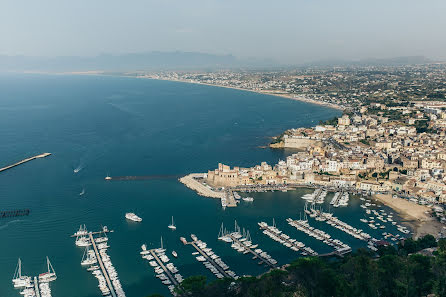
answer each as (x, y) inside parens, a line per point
(190, 182)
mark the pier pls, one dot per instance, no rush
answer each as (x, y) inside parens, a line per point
(302, 225)
(24, 161)
(98, 262)
(192, 183)
(256, 255)
(143, 177)
(166, 271)
(33, 286)
(277, 235)
(338, 224)
(209, 259)
(101, 265)
(36, 287)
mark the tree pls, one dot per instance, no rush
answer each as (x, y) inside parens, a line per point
(439, 271)
(362, 274)
(392, 276)
(427, 241)
(442, 245)
(194, 285)
(408, 246)
(420, 275)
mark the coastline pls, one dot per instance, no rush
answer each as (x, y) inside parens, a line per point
(415, 215)
(302, 99)
(271, 93)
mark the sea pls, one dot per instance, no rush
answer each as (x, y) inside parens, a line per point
(96, 126)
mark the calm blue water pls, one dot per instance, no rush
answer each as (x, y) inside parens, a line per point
(124, 126)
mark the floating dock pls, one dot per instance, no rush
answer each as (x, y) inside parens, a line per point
(33, 286)
(256, 255)
(302, 225)
(24, 161)
(277, 235)
(219, 265)
(338, 224)
(106, 274)
(101, 265)
(36, 287)
(164, 270)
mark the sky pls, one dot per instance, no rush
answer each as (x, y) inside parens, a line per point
(288, 31)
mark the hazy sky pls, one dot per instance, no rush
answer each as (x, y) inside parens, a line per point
(288, 31)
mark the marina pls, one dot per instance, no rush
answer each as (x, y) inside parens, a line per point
(241, 242)
(164, 270)
(340, 199)
(311, 198)
(338, 224)
(103, 150)
(291, 243)
(210, 260)
(107, 276)
(34, 286)
(303, 225)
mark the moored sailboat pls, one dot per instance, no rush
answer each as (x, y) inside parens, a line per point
(50, 275)
(172, 225)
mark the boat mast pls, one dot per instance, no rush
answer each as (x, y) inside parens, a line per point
(50, 266)
(18, 270)
(220, 234)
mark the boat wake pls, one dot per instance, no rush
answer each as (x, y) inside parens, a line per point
(9, 223)
(78, 168)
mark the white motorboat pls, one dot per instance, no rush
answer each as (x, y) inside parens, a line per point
(132, 217)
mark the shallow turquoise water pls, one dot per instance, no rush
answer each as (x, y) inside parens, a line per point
(124, 126)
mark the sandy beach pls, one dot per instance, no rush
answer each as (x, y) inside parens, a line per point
(271, 93)
(415, 215)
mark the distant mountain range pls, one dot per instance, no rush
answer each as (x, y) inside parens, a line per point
(128, 62)
(169, 61)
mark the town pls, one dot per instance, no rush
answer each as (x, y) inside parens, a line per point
(389, 142)
(339, 87)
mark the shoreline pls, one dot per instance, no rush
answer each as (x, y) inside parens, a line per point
(290, 97)
(413, 215)
(286, 96)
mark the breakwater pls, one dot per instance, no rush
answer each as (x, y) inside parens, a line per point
(14, 213)
(143, 177)
(24, 161)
